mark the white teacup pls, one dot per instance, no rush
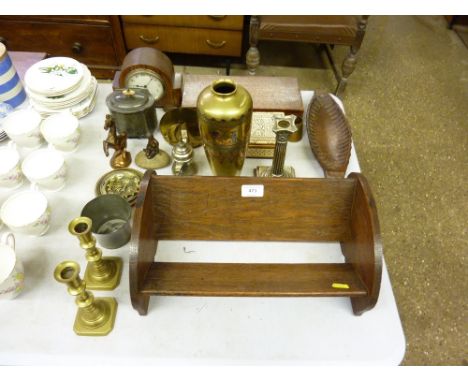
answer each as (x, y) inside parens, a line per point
(46, 168)
(23, 128)
(62, 131)
(26, 212)
(11, 269)
(10, 171)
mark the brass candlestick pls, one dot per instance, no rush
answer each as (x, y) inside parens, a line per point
(102, 273)
(284, 127)
(95, 316)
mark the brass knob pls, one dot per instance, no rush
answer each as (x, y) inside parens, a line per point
(77, 47)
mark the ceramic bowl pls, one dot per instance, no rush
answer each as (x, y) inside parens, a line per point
(22, 127)
(46, 168)
(27, 213)
(62, 131)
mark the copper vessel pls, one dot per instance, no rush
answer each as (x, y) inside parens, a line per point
(224, 116)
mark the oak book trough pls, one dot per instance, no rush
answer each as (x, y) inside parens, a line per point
(297, 209)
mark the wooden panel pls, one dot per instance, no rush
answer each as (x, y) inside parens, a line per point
(268, 93)
(97, 45)
(211, 208)
(87, 19)
(142, 245)
(215, 22)
(258, 280)
(184, 40)
(364, 249)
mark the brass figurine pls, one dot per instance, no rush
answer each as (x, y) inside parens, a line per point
(121, 158)
(102, 273)
(152, 157)
(284, 127)
(95, 316)
(329, 135)
(182, 153)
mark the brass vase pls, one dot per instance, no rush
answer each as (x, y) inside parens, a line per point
(224, 116)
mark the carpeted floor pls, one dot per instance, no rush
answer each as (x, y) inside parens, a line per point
(407, 103)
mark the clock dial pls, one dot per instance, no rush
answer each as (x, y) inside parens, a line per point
(146, 79)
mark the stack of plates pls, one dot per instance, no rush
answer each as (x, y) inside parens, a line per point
(5, 109)
(61, 83)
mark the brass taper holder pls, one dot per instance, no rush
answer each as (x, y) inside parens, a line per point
(102, 273)
(284, 127)
(95, 316)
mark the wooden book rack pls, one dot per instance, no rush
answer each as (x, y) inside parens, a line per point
(298, 209)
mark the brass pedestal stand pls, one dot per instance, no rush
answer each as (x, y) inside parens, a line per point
(102, 273)
(283, 128)
(95, 317)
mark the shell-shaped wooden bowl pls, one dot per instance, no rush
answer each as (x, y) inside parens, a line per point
(329, 134)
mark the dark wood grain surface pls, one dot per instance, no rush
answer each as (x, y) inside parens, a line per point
(268, 93)
(212, 208)
(364, 249)
(256, 280)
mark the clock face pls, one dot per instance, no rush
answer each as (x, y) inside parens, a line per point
(146, 79)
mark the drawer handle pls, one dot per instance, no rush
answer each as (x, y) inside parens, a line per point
(216, 45)
(149, 40)
(77, 47)
(217, 17)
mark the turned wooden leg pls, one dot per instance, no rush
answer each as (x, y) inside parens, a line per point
(252, 59)
(253, 55)
(349, 63)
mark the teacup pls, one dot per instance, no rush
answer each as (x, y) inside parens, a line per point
(11, 269)
(62, 131)
(10, 171)
(22, 127)
(27, 213)
(46, 168)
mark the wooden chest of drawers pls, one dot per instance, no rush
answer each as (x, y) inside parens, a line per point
(210, 35)
(94, 40)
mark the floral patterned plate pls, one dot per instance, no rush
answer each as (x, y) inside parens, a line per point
(54, 76)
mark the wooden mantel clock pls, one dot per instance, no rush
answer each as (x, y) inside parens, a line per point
(149, 68)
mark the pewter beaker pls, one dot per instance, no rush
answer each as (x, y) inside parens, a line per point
(111, 220)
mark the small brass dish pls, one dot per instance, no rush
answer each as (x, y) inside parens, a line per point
(123, 182)
(171, 122)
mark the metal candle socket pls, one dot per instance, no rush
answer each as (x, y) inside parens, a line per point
(111, 220)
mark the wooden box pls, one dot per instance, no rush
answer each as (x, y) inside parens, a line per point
(304, 210)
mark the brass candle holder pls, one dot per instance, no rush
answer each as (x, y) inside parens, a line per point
(284, 127)
(102, 273)
(95, 316)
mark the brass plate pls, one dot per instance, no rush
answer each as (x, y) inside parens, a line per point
(170, 124)
(123, 182)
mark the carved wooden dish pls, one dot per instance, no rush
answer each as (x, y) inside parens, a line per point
(329, 134)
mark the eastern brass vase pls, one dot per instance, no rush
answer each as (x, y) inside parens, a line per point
(224, 116)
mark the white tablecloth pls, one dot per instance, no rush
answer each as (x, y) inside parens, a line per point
(36, 327)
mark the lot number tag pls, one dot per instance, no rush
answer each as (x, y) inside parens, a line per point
(252, 191)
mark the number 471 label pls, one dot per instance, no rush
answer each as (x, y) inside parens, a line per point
(252, 190)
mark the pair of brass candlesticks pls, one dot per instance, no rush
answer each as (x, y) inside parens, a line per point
(95, 316)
